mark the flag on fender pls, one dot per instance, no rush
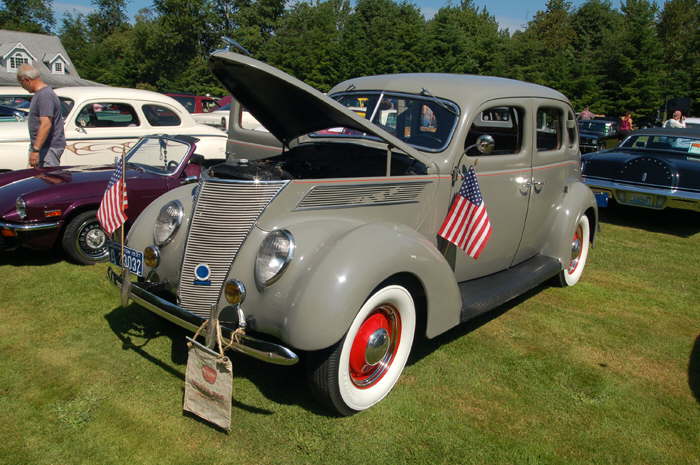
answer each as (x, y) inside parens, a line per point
(467, 224)
(114, 202)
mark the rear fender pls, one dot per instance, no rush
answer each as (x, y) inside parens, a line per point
(578, 200)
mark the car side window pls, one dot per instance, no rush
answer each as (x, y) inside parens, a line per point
(160, 116)
(187, 102)
(549, 128)
(107, 115)
(503, 123)
(571, 128)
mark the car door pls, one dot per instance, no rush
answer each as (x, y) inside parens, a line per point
(555, 159)
(502, 175)
(98, 130)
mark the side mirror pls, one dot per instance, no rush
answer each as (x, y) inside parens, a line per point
(485, 144)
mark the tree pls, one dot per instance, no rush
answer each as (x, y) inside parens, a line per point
(463, 39)
(27, 15)
(109, 17)
(679, 32)
(307, 43)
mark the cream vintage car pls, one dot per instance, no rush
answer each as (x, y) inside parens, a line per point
(101, 122)
(330, 249)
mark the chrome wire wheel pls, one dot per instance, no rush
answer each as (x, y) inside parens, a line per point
(84, 240)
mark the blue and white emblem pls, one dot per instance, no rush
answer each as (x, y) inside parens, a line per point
(202, 272)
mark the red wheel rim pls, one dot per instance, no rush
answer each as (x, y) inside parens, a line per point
(576, 249)
(374, 346)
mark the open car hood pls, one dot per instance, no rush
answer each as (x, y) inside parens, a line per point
(289, 108)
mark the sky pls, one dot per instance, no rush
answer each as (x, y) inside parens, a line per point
(511, 14)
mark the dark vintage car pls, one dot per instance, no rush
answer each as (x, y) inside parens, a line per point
(653, 168)
(598, 134)
(42, 207)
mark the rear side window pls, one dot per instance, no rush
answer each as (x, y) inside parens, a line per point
(160, 116)
(549, 128)
(504, 124)
(571, 129)
(107, 115)
(187, 102)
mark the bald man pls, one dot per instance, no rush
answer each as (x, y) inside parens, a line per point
(46, 137)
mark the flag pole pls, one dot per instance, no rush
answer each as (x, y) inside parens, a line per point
(125, 273)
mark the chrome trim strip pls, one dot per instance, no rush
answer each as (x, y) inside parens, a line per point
(257, 348)
(338, 207)
(30, 227)
(670, 193)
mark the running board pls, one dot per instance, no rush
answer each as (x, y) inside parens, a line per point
(484, 294)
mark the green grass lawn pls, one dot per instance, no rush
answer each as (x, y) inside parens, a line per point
(607, 372)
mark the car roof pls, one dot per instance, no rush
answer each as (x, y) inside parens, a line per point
(459, 88)
(13, 90)
(111, 92)
(675, 132)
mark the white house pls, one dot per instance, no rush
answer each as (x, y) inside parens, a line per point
(44, 52)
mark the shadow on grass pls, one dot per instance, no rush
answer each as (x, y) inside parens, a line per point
(423, 347)
(27, 257)
(694, 370)
(136, 327)
(683, 223)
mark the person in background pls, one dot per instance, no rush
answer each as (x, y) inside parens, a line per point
(626, 125)
(47, 139)
(586, 114)
(677, 121)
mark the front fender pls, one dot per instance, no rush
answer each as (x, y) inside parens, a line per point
(336, 271)
(578, 200)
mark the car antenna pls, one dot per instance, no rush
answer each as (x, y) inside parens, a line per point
(230, 42)
(425, 91)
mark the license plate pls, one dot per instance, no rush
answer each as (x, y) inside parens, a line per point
(601, 198)
(641, 200)
(133, 259)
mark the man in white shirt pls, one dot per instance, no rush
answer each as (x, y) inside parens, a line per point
(677, 121)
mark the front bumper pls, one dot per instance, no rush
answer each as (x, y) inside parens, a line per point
(32, 235)
(256, 348)
(645, 196)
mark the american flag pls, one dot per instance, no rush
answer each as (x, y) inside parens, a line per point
(467, 224)
(111, 212)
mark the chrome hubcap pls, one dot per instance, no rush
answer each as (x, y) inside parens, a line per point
(377, 346)
(95, 238)
(576, 248)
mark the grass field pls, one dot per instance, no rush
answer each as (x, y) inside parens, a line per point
(607, 372)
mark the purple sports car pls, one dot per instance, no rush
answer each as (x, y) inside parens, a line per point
(42, 207)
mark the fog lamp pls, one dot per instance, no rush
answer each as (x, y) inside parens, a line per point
(234, 291)
(151, 256)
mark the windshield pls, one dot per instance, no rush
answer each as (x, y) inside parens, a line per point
(599, 127)
(66, 106)
(424, 122)
(681, 144)
(159, 155)
(16, 101)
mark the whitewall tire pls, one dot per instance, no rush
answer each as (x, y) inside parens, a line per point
(364, 366)
(576, 261)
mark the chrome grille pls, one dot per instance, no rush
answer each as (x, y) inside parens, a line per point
(361, 195)
(223, 215)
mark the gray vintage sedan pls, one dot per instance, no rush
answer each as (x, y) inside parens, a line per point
(330, 248)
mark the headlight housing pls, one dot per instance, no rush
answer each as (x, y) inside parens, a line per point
(21, 207)
(168, 222)
(275, 253)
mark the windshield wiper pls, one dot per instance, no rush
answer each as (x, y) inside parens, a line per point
(425, 91)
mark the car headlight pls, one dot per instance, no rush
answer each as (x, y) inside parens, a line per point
(21, 207)
(167, 223)
(275, 253)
